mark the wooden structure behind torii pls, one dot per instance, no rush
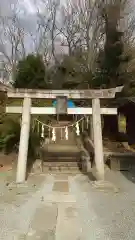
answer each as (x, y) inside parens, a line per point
(27, 110)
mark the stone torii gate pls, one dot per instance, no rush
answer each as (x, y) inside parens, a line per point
(26, 110)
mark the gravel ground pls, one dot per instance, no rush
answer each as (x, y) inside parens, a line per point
(18, 205)
(105, 214)
(35, 211)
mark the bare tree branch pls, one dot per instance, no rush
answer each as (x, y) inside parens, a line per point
(46, 29)
(82, 26)
(12, 45)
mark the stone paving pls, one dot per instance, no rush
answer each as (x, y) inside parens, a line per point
(68, 206)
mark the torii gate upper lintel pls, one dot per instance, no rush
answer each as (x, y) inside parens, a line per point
(26, 110)
(72, 94)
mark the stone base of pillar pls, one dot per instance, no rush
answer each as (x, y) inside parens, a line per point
(105, 186)
(97, 175)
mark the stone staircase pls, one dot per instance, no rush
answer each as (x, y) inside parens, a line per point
(63, 155)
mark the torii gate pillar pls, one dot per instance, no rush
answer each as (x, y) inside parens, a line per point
(97, 135)
(24, 141)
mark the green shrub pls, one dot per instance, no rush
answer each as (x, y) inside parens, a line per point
(9, 134)
(10, 137)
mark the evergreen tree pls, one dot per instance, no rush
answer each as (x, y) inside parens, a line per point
(31, 73)
(112, 72)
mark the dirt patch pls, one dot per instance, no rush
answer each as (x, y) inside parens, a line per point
(61, 186)
(61, 177)
(7, 161)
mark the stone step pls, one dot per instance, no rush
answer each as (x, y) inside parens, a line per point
(70, 157)
(60, 156)
(53, 166)
(66, 167)
(50, 158)
(58, 148)
(60, 164)
(64, 142)
(61, 169)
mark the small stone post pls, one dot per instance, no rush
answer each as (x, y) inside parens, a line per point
(24, 141)
(97, 133)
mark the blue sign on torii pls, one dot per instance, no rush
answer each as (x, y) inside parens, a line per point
(70, 104)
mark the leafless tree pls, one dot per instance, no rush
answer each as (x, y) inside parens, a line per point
(91, 22)
(46, 29)
(81, 27)
(68, 28)
(12, 47)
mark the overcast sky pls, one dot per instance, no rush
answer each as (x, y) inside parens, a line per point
(27, 5)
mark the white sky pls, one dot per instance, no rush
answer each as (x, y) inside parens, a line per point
(28, 5)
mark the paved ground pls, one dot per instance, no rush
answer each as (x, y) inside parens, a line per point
(63, 207)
